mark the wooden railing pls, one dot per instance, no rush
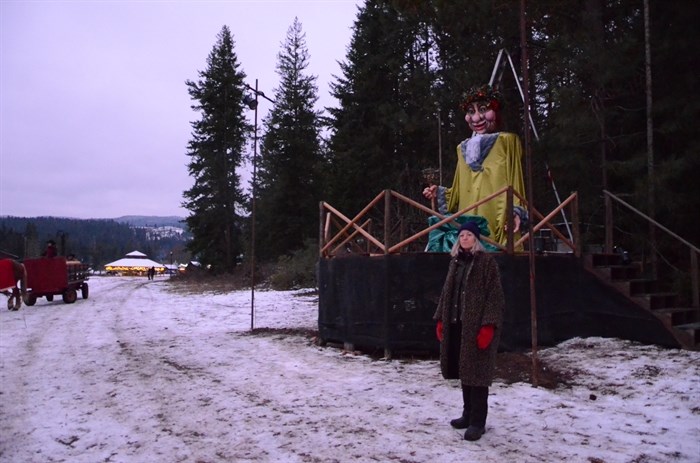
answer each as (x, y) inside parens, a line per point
(350, 232)
(694, 252)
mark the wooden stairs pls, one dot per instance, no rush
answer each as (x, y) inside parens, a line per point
(682, 322)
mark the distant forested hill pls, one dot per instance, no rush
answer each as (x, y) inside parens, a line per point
(96, 241)
(152, 221)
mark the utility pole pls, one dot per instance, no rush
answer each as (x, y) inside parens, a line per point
(253, 104)
(651, 192)
(530, 194)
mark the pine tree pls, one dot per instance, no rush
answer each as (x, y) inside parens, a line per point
(674, 58)
(288, 182)
(216, 150)
(384, 132)
(587, 92)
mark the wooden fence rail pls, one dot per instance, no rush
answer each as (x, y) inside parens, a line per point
(351, 229)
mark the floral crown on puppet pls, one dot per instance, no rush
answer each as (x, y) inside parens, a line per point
(484, 93)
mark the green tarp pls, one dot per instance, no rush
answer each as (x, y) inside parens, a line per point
(445, 236)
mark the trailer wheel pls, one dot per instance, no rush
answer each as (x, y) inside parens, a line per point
(70, 295)
(30, 299)
(49, 297)
(84, 291)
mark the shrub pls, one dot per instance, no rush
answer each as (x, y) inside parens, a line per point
(296, 270)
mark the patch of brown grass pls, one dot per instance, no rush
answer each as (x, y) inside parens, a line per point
(194, 283)
(514, 367)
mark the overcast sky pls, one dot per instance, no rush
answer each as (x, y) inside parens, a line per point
(95, 115)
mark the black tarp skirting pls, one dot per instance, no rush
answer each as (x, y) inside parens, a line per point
(387, 302)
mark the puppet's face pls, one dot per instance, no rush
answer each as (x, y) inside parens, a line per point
(481, 117)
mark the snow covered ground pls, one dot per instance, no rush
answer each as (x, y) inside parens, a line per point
(139, 373)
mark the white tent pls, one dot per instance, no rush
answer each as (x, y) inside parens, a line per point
(134, 263)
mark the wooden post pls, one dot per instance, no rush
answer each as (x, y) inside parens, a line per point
(575, 225)
(510, 223)
(530, 195)
(695, 277)
(321, 238)
(608, 224)
(387, 220)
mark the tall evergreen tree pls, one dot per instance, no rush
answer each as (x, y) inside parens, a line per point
(216, 150)
(674, 58)
(384, 131)
(469, 34)
(289, 186)
(588, 69)
(587, 94)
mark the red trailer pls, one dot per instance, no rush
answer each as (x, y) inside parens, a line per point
(50, 276)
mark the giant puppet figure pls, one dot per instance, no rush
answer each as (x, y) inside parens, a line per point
(486, 162)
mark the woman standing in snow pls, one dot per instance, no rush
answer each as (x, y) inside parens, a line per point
(469, 320)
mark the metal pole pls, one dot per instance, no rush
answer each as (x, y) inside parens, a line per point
(556, 195)
(439, 121)
(651, 192)
(252, 214)
(496, 76)
(530, 195)
(257, 93)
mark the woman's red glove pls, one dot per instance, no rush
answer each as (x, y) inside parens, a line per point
(438, 330)
(485, 336)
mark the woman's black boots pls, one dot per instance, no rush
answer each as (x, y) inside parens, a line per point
(473, 417)
(479, 409)
(463, 421)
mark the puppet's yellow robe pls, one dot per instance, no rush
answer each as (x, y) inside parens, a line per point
(502, 166)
